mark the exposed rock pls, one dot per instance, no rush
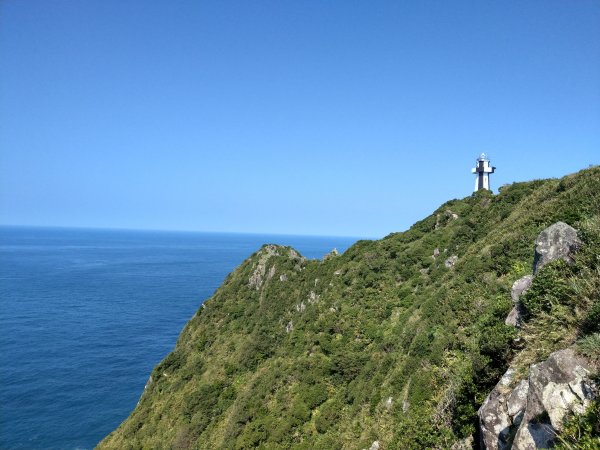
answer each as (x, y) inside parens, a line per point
(332, 254)
(300, 307)
(463, 444)
(389, 402)
(528, 416)
(436, 253)
(313, 298)
(558, 241)
(495, 422)
(283, 277)
(517, 401)
(271, 273)
(148, 383)
(289, 327)
(520, 286)
(337, 272)
(256, 280)
(424, 271)
(146, 387)
(375, 446)
(450, 262)
(300, 260)
(442, 219)
(557, 386)
(515, 316)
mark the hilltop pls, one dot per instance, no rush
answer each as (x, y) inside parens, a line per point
(394, 344)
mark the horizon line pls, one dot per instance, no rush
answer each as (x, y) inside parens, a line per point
(163, 230)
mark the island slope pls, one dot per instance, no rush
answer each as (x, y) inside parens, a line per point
(395, 343)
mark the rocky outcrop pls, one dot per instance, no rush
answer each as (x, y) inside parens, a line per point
(528, 416)
(517, 401)
(258, 275)
(332, 254)
(519, 287)
(495, 421)
(374, 446)
(557, 386)
(515, 316)
(444, 218)
(450, 262)
(558, 241)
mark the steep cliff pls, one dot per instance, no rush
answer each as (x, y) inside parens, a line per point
(394, 344)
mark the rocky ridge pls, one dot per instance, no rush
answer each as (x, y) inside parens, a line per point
(528, 414)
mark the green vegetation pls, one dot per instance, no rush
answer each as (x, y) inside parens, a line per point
(385, 342)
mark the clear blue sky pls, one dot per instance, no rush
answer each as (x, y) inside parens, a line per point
(305, 117)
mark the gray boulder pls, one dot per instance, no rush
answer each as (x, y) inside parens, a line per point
(528, 415)
(558, 241)
(520, 286)
(557, 386)
(517, 402)
(515, 316)
(496, 422)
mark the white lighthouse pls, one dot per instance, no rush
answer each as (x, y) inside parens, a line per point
(482, 170)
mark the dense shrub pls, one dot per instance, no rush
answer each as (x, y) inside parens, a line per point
(550, 287)
(329, 414)
(582, 431)
(591, 324)
(314, 395)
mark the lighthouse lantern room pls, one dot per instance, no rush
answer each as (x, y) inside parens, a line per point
(482, 170)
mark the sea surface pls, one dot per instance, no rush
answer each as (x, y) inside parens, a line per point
(86, 314)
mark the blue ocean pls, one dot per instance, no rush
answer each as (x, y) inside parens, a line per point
(86, 314)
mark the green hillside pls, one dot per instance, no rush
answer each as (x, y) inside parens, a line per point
(397, 340)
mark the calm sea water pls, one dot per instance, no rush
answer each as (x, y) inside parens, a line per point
(86, 314)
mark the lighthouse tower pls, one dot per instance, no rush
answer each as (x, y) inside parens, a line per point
(482, 170)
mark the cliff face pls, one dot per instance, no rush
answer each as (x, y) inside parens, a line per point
(393, 344)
